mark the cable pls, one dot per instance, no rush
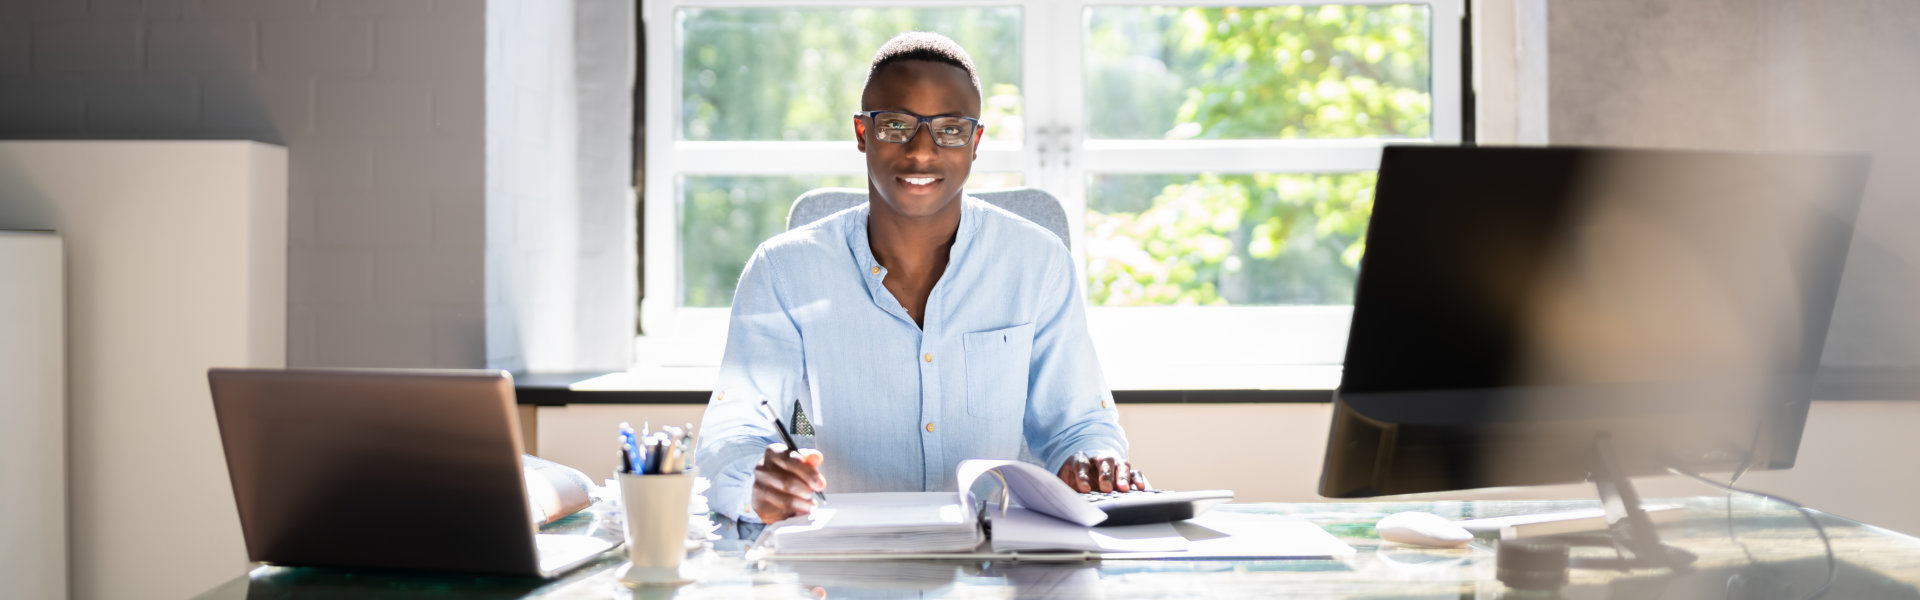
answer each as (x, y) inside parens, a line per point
(1746, 462)
(1833, 567)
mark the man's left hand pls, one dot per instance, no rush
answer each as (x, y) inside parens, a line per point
(1101, 471)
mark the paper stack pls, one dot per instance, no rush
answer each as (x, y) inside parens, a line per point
(893, 522)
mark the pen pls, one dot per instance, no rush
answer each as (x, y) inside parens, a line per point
(791, 447)
(676, 440)
(693, 442)
(656, 453)
(636, 456)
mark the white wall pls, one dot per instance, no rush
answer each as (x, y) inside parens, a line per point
(561, 245)
(1768, 74)
(176, 262)
(33, 415)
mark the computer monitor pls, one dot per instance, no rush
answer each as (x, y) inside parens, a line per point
(1539, 315)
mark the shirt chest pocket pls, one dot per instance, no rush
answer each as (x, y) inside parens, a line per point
(997, 365)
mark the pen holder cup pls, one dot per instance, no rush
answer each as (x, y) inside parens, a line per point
(655, 512)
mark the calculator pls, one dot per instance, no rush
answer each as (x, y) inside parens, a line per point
(1154, 506)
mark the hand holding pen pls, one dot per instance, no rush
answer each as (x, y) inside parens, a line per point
(787, 481)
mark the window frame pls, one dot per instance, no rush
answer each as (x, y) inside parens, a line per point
(1054, 154)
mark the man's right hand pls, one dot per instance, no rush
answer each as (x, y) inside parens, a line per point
(784, 482)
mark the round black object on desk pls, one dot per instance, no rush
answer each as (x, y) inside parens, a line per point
(1532, 565)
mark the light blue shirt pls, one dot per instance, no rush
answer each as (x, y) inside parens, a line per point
(1003, 365)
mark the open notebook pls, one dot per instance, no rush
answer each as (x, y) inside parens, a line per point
(1050, 518)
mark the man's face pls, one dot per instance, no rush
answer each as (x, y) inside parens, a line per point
(898, 174)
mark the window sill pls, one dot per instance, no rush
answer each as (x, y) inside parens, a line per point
(1132, 384)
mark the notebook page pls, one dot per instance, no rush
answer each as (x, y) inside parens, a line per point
(1034, 488)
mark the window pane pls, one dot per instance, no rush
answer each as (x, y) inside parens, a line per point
(993, 181)
(796, 74)
(723, 218)
(1267, 72)
(1258, 239)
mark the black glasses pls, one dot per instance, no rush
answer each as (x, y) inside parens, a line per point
(899, 127)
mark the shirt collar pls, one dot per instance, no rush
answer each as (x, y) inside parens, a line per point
(870, 269)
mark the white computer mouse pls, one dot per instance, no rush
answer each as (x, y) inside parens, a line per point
(1422, 529)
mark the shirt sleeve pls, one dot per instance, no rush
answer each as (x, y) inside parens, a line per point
(763, 359)
(1069, 408)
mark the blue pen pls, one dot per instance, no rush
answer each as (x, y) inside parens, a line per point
(636, 455)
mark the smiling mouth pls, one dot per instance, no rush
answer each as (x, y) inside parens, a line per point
(920, 180)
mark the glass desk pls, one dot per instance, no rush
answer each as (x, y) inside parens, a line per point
(1776, 555)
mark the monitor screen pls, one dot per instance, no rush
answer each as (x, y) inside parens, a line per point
(1515, 303)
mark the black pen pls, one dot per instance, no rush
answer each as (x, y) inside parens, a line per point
(791, 447)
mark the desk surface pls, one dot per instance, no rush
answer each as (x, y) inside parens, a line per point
(1775, 548)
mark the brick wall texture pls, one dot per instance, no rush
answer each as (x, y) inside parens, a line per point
(381, 104)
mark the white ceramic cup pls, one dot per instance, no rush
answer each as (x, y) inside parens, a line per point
(655, 509)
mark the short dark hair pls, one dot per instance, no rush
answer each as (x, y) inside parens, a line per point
(922, 45)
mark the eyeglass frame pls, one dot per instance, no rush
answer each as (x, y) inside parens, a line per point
(927, 121)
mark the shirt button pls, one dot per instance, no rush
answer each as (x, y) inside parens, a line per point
(929, 428)
(875, 270)
(929, 358)
(1103, 404)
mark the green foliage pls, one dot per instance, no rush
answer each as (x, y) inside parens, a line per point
(1271, 72)
(796, 74)
(1230, 73)
(722, 219)
(1227, 239)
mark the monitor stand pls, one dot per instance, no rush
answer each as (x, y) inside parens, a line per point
(1630, 532)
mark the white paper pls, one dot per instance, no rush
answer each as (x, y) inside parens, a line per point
(890, 510)
(1022, 530)
(879, 523)
(1035, 489)
(1231, 535)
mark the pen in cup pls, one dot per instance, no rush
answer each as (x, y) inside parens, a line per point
(632, 455)
(664, 452)
(693, 441)
(818, 496)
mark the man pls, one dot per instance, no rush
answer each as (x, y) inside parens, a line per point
(912, 332)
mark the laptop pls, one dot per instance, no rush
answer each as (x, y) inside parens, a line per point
(392, 469)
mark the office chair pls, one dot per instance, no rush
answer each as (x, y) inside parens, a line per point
(1030, 203)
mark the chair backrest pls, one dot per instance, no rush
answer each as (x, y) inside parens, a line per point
(1030, 203)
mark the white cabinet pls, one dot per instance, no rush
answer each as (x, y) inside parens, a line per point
(176, 259)
(33, 416)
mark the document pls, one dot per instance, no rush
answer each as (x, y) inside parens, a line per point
(1024, 530)
(935, 522)
(1049, 523)
(892, 522)
(1034, 488)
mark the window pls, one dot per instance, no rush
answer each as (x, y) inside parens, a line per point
(1216, 161)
